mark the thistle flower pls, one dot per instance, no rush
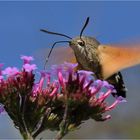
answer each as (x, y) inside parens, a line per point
(61, 100)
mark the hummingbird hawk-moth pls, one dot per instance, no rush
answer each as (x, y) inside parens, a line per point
(105, 61)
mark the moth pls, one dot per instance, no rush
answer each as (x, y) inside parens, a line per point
(105, 60)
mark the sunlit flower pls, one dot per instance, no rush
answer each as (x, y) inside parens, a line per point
(26, 59)
(61, 99)
(29, 67)
(10, 71)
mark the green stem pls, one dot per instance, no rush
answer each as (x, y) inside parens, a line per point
(41, 123)
(64, 124)
(24, 131)
(27, 136)
(59, 136)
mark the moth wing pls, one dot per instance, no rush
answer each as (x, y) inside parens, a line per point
(58, 56)
(114, 58)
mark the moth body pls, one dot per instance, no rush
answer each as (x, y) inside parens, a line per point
(89, 57)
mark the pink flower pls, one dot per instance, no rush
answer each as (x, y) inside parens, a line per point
(70, 65)
(62, 91)
(117, 101)
(87, 73)
(26, 59)
(1, 78)
(42, 79)
(10, 71)
(29, 67)
(61, 79)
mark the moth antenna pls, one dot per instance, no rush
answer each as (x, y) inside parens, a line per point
(54, 33)
(85, 25)
(47, 58)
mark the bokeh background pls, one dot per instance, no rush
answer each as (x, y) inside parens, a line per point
(110, 22)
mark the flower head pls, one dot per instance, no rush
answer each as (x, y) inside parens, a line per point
(29, 67)
(60, 93)
(10, 71)
(26, 59)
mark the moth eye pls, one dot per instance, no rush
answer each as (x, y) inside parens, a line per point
(81, 42)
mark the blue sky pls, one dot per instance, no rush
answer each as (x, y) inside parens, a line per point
(110, 22)
(21, 21)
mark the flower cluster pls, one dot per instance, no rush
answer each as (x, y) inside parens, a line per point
(61, 100)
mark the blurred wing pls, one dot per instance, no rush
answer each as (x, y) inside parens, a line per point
(58, 56)
(114, 58)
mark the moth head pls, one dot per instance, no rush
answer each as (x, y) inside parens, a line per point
(78, 44)
(83, 43)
